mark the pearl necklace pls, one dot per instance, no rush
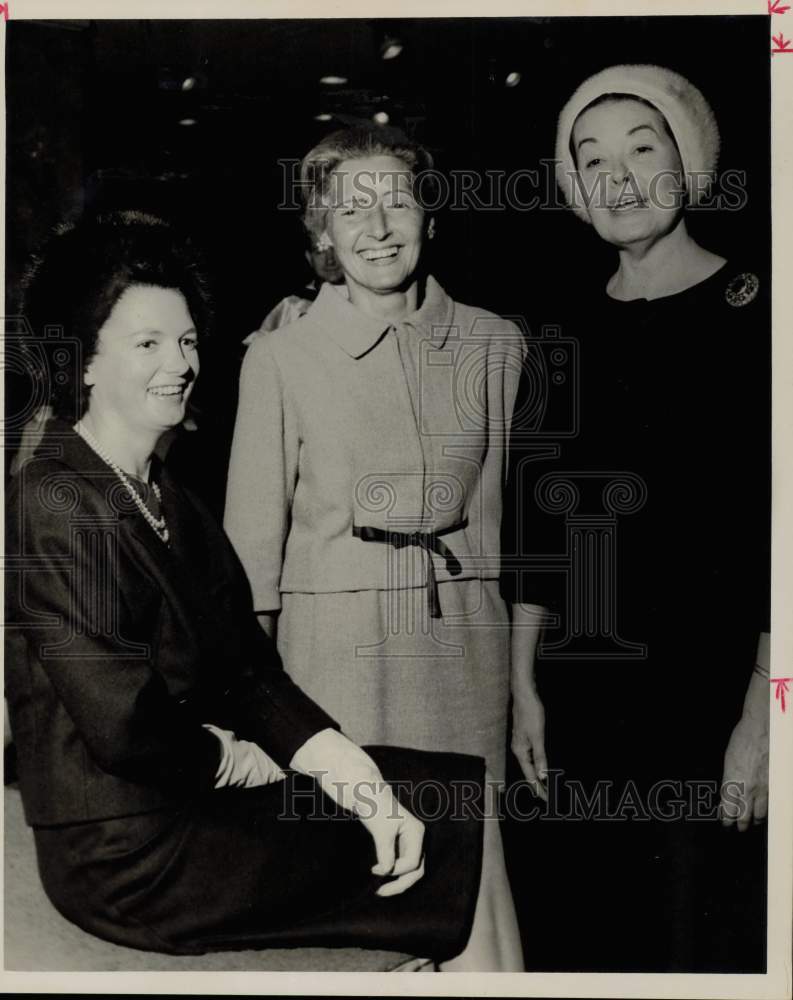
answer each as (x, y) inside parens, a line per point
(157, 524)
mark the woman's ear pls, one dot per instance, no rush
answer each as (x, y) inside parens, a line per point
(431, 228)
(88, 374)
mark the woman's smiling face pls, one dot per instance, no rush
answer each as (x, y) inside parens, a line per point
(630, 170)
(146, 361)
(375, 224)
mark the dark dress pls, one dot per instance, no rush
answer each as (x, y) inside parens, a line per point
(647, 534)
(119, 649)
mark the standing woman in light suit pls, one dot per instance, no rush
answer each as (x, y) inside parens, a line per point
(364, 493)
(368, 462)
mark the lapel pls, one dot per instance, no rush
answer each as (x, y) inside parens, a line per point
(166, 563)
(178, 565)
(187, 573)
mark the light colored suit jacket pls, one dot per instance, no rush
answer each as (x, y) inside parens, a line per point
(348, 421)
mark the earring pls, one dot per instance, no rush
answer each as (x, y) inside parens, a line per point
(431, 229)
(322, 243)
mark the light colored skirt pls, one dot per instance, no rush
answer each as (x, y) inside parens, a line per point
(388, 673)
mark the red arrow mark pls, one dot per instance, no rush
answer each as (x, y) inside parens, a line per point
(774, 8)
(781, 689)
(782, 43)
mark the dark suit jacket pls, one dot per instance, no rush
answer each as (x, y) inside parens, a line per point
(118, 647)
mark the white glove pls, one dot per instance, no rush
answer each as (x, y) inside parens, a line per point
(243, 764)
(350, 777)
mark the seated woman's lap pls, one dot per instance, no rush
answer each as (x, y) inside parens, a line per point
(280, 865)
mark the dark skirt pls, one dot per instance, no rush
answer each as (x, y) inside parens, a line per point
(277, 866)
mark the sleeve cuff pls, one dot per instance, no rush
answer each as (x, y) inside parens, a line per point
(518, 587)
(280, 722)
(266, 600)
(224, 736)
(201, 759)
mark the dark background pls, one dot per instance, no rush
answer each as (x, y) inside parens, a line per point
(94, 111)
(93, 121)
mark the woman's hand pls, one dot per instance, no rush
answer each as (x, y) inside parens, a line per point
(528, 736)
(349, 776)
(243, 764)
(398, 840)
(744, 783)
(744, 792)
(528, 714)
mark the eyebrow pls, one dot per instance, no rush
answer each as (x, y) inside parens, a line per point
(367, 199)
(354, 201)
(153, 331)
(636, 128)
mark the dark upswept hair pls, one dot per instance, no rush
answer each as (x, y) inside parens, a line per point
(353, 143)
(80, 273)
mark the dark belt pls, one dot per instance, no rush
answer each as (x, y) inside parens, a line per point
(430, 541)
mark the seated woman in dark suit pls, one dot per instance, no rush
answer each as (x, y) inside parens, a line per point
(166, 761)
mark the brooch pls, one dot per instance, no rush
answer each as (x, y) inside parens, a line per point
(742, 289)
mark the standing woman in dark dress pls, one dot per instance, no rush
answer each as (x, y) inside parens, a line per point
(661, 502)
(165, 758)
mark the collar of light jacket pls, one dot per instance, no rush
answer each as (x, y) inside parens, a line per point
(357, 333)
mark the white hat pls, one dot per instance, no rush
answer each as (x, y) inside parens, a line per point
(686, 111)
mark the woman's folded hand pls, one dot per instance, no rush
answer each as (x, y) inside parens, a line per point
(349, 776)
